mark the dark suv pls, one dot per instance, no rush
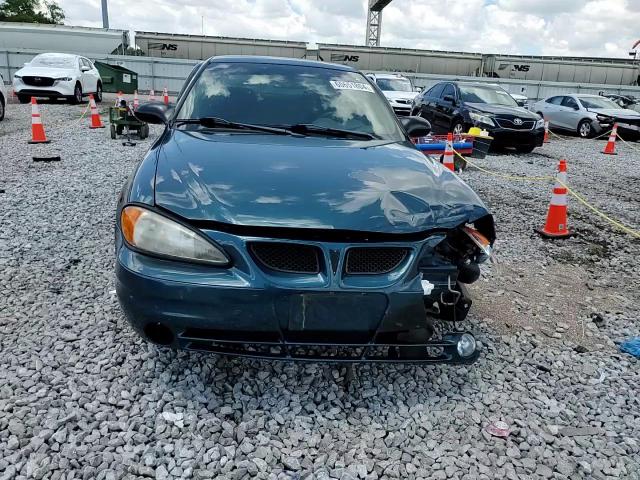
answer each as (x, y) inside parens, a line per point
(457, 106)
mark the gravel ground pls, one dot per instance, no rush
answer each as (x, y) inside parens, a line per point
(81, 396)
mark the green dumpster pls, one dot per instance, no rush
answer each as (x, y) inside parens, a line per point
(116, 78)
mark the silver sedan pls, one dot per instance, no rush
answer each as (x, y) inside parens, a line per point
(586, 115)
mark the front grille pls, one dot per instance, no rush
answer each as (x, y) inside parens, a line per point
(374, 260)
(287, 257)
(403, 101)
(38, 81)
(507, 123)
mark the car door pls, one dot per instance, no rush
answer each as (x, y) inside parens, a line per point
(428, 102)
(443, 114)
(550, 109)
(570, 114)
(89, 76)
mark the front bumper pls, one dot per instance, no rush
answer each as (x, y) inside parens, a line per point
(58, 89)
(504, 137)
(245, 311)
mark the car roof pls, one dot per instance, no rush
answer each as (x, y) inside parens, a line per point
(388, 75)
(278, 61)
(60, 55)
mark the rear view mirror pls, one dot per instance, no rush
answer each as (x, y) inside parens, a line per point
(154, 112)
(416, 126)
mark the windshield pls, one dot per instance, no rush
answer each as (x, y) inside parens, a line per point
(281, 95)
(55, 61)
(598, 102)
(492, 96)
(394, 84)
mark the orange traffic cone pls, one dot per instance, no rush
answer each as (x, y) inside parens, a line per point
(37, 128)
(136, 101)
(556, 224)
(96, 121)
(546, 130)
(152, 96)
(165, 96)
(610, 149)
(448, 161)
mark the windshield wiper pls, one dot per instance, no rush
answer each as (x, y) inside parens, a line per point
(306, 128)
(217, 122)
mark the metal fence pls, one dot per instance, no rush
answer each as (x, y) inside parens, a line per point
(157, 73)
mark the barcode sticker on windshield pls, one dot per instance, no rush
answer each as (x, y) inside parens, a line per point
(341, 85)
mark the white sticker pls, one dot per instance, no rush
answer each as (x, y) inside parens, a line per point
(126, 78)
(341, 85)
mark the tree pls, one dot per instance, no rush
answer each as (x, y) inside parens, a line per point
(31, 11)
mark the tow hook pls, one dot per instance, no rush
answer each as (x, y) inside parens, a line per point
(454, 303)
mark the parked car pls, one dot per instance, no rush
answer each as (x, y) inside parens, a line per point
(58, 75)
(398, 90)
(284, 213)
(457, 106)
(625, 101)
(587, 115)
(3, 98)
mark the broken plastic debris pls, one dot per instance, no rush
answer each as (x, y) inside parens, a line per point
(427, 287)
(498, 429)
(631, 346)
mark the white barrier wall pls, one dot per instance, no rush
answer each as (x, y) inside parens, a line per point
(157, 73)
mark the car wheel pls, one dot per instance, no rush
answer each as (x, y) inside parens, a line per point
(458, 128)
(584, 129)
(98, 95)
(77, 95)
(24, 98)
(525, 148)
(1, 107)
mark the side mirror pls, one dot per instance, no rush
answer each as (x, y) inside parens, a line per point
(449, 98)
(416, 126)
(576, 107)
(154, 112)
(84, 68)
(417, 89)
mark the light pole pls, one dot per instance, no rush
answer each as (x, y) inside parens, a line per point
(105, 14)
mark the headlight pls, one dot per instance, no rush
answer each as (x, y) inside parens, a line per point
(479, 240)
(64, 79)
(159, 235)
(480, 118)
(540, 123)
(604, 119)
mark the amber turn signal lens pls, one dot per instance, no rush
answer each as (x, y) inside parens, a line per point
(128, 219)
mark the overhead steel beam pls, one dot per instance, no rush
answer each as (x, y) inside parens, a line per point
(374, 21)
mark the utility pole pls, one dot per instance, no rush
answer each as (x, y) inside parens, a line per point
(105, 14)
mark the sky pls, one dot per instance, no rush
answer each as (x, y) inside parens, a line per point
(600, 28)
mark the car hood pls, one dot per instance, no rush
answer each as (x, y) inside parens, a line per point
(502, 110)
(309, 182)
(395, 95)
(620, 113)
(50, 72)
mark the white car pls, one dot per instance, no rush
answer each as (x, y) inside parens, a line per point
(58, 75)
(3, 97)
(398, 90)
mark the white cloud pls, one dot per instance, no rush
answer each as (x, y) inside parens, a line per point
(538, 27)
